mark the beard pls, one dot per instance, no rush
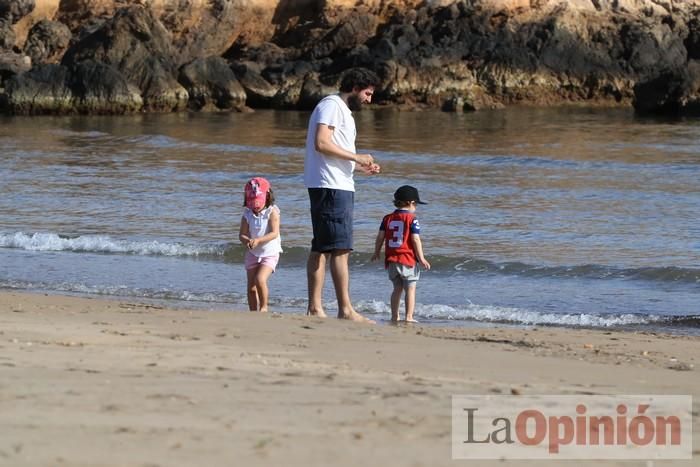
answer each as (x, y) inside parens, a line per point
(354, 102)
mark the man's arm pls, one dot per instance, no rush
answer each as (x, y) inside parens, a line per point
(325, 145)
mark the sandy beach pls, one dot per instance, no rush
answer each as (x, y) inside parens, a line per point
(102, 382)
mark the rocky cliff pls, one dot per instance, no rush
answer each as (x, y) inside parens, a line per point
(98, 56)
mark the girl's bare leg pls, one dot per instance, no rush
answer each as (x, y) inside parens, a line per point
(252, 290)
(262, 275)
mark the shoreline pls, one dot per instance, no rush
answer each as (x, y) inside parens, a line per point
(152, 385)
(663, 328)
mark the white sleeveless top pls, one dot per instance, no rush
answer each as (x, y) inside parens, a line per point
(258, 227)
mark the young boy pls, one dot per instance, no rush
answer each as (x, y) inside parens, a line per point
(400, 231)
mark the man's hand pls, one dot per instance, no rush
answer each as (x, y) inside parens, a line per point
(371, 169)
(424, 262)
(364, 159)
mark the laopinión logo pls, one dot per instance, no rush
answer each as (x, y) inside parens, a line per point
(572, 427)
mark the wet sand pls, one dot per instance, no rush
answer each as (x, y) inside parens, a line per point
(101, 382)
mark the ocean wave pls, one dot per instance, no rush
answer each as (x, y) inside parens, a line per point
(509, 315)
(516, 160)
(102, 244)
(169, 142)
(297, 256)
(80, 134)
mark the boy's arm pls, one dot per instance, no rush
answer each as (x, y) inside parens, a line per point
(243, 232)
(274, 232)
(418, 249)
(378, 243)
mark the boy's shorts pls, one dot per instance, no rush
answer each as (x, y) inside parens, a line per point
(402, 275)
(252, 261)
(331, 218)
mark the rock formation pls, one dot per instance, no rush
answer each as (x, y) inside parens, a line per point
(452, 54)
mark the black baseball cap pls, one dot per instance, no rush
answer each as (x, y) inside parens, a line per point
(407, 193)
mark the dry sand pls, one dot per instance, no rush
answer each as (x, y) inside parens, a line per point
(99, 382)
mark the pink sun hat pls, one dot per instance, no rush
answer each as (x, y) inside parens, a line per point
(256, 193)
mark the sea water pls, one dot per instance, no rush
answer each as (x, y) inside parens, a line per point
(573, 217)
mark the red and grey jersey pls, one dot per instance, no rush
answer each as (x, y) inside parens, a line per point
(398, 227)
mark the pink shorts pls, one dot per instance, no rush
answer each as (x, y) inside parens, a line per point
(252, 261)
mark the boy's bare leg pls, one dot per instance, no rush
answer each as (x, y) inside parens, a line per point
(261, 277)
(410, 302)
(341, 280)
(396, 301)
(315, 276)
(252, 290)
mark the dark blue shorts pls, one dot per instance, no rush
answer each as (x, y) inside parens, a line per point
(331, 218)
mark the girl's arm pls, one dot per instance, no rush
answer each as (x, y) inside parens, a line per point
(378, 243)
(274, 230)
(243, 232)
(418, 249)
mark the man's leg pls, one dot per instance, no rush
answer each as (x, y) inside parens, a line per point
(340, 273)
(315, 276)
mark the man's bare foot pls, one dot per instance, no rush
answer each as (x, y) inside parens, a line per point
(352, 315)
(263, 310)
(316, 313)
(411, 320)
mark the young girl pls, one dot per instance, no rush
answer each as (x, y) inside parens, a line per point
(260, 233)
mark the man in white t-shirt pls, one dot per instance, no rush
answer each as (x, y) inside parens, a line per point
(329, 164)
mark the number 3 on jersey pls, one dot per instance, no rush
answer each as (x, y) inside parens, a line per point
(396, 228)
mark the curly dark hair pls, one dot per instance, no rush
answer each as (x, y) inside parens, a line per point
(361, 78)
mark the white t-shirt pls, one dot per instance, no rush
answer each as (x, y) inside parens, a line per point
(258, 227)
(321, 171)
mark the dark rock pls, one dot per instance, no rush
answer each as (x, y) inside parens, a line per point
(135, 43)
(453, 104)
(12, 64)
(649, 48)
(14, 10)
(312, 91)
(264, 55)
(7, 35)
(288, 71)
(211, 83)
(88, 88)
(47, 41)
(673, 92)
(355, 29)
(100, 89)
(259, 92)
(213, 32)
(692, 42)
(42, 90)
(287, 97)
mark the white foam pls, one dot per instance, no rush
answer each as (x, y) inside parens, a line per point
(495, 314)
(101, 244)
